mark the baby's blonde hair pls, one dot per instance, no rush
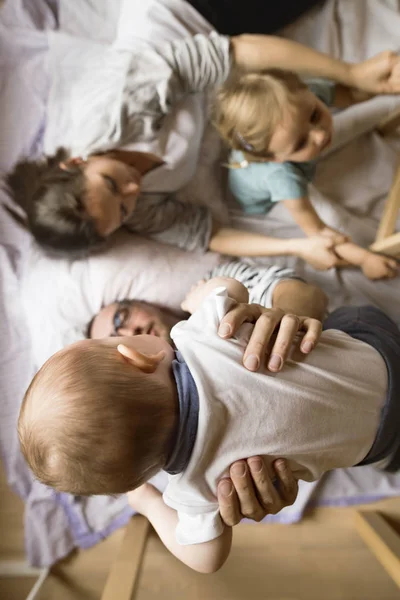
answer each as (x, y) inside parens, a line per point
(250, 105)
(90, 423)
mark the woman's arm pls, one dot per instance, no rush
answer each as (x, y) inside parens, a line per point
(378, 75)
(207, 557)
(317, 250)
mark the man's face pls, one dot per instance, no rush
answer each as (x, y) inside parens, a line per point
(129, 318)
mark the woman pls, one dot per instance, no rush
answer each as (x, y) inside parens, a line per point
(132, 116)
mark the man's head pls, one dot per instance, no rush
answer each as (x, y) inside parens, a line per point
(272, 115)
(98, 416)
(130, 318)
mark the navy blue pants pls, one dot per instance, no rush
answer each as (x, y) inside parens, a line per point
(371, 325)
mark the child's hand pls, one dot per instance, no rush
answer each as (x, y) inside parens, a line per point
(141, 498)
(377, 266)
(190, 302)
(336, 236)
(379, 74)
(319, 252)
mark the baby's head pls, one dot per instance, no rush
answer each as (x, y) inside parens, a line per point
(272, 115)
(96, 421)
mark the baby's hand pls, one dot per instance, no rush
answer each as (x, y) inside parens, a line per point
(319, 252)
(140, 498)
(336, 236)
(377, 266)
(190, 302)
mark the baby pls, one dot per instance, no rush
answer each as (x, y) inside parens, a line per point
(276, 126)
(103, 416)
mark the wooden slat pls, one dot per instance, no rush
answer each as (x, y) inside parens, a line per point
(388, 221)
(124, 572)
(389, 245)
(382, 540)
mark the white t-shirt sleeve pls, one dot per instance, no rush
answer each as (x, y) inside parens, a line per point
(200, 528)
(208, 316)
(210, 313)
(198, 63)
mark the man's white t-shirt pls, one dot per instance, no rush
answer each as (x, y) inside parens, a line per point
(321, 412)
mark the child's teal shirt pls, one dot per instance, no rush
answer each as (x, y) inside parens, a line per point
(259, 185)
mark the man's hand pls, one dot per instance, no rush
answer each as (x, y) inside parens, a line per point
(267, 321)
(252, 493)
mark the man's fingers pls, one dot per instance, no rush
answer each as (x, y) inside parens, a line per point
(228, 503)
(260, 337)
(249, 505)
(288, 329)
(236, 317)
(266, 492)
(313, 329)
(288, 486)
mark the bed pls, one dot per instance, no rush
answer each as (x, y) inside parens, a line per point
(45, 304)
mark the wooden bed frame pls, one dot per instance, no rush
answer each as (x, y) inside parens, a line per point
(125, 570)
(387, 241)
(380, 537)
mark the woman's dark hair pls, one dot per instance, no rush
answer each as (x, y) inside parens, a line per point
(52, 199)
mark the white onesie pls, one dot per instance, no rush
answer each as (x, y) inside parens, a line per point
(320, 412)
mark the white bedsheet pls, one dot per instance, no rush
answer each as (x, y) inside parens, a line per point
(349, 190)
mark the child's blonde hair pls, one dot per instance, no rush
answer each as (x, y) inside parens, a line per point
(250, 105)
(90, 423)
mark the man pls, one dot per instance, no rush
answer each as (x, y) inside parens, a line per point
(274, 292)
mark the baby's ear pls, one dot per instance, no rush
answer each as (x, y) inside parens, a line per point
(147, 363)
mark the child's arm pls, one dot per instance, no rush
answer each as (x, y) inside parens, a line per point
(235, 242)
(374, 266)
(207, 557)
(308, 220)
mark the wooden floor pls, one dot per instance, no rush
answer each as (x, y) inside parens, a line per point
(321, 558)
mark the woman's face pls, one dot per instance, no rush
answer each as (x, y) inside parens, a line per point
(111, 191)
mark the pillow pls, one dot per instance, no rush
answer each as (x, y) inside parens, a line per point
(61, 296)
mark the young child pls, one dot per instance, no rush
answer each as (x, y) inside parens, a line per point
(103, 416)
(277, 126)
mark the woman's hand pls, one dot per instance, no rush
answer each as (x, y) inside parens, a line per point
(252, 493)
(378, 75)
(333, 234)
(319, 252)
(267, 321)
